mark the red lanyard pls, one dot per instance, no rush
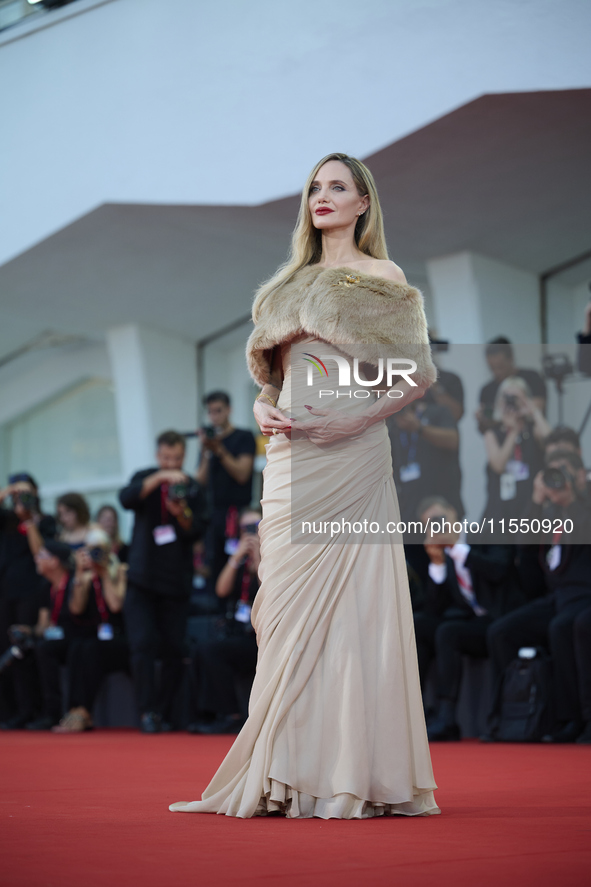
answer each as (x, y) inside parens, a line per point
(517, 454)
(164, 513)
(232, 528)
(100, 601)
(57, 595)
(246, 579)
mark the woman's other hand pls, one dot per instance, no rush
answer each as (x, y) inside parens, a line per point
(329, 425)
(268, 417)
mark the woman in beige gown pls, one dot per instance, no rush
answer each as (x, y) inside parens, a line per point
(335, 725)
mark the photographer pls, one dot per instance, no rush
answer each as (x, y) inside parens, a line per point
(425, 443)
(91, 659)
(225, 469)
(170, 515)
(71, 612)
(558, 493)
(219, 663)
(501, 362)
(22, 532)
(514, 451)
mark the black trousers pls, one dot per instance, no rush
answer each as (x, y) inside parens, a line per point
(447, 640)
(582, 640)
(20, 689)
(426, 625)
(50, 656)
(156, 625)
(214, 543)
(217, 665)
(541, 624)
(88, 664)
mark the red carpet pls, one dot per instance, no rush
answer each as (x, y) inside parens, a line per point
(91, 810)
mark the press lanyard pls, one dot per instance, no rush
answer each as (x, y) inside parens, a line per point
(58, 598)
(164, 513)
(100, 601)
(246, 578)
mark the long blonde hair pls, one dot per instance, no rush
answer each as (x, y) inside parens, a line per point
(306, 240)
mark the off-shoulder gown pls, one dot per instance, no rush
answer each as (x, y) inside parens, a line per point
(336, 725)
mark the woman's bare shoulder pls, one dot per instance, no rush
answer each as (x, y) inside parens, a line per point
(387, 269)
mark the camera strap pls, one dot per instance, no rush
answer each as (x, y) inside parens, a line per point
(164, 512)
(100, 601)
(57, 595)
(246, 580)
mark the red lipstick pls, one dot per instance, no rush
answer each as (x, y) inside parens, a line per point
(323, 211)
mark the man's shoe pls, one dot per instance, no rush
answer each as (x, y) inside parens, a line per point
(150, 723)
(442, 732)
(585, 737)
(44, 723)
(569, 733)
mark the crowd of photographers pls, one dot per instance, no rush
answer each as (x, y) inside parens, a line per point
(73, 596)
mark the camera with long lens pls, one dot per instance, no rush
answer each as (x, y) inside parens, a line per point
(556, 478)
(208, 431)
(179, 492)
(20, 644)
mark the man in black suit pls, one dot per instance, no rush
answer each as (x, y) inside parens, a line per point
(466, 588)
(170, 515)
(559, 495)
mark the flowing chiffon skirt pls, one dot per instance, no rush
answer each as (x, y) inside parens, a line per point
(336, 725)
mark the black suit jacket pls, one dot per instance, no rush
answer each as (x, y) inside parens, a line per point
(166, 569)
(494, 580)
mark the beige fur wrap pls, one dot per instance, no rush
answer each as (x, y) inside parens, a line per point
(346, 308)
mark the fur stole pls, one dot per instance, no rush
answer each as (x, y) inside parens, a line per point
(346, 308)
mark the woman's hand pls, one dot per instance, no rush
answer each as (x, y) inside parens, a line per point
(268, 417)
(329, 425)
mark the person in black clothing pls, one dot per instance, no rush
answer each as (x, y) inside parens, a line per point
(93, 658)
(23, 530)
(219, 663)
(468, 586)
(62, 622)
(548, 621)
(170, 515)
(501, 362)
(584, 340)
(582, 643)
(514, 455)
(225, 469)
(425, 442)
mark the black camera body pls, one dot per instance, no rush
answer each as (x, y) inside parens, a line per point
(511, 402)
(179, 492)
(557, 478)
(98, 555)
(209, 431)
(21, 642)
(25, 498)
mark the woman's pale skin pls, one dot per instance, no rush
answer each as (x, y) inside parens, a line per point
(334, 189)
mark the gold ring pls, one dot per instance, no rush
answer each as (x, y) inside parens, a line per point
(274, 431)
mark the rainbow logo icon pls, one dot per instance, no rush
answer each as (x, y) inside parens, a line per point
(315, 361)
